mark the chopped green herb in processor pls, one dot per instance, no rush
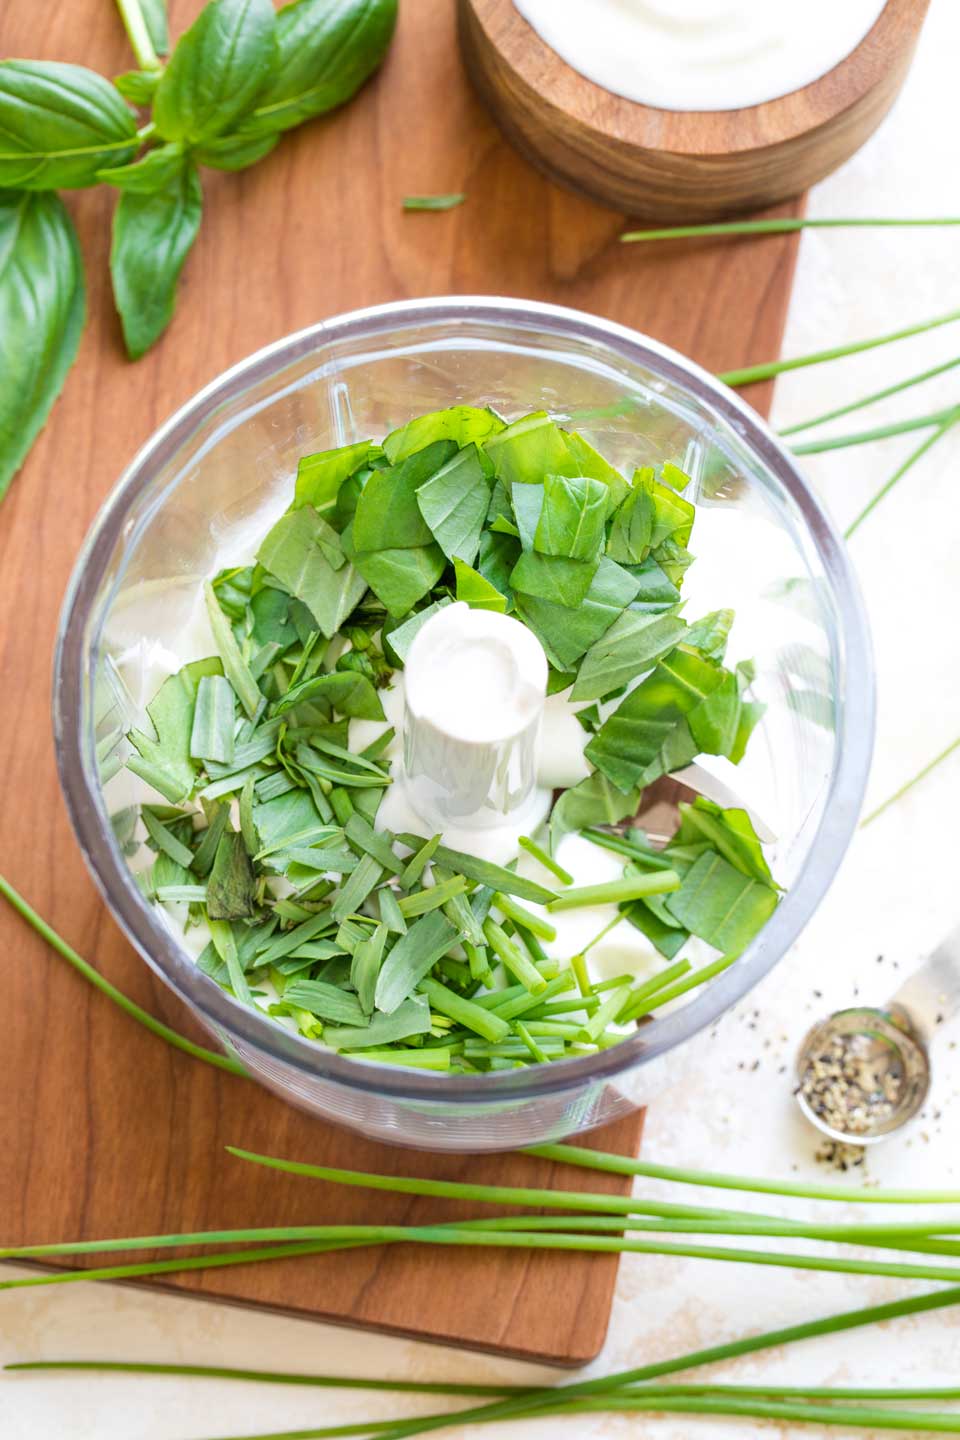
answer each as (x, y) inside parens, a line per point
(349, 804)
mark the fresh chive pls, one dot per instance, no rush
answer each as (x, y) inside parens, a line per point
(638, 1008)
(620, 845)
(899, 473)
(529, 1004)
(547, 861)
(750, 374)
(519, 964)
(879, 432)
(874, 398)
(537, 1051)
(617, 892)
(128, 1006)
(523, 917)
(474, 1017)
(479, 962)
(482, 871)
(274, 1377)
(433, 202)
(659, 982)
(783, 226)
(579, 967)
(438, 1059)
(608, 1012)
(920, 775)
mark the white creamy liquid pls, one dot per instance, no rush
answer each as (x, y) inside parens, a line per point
(702, 54)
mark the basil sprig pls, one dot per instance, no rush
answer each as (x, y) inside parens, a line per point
(240, 76)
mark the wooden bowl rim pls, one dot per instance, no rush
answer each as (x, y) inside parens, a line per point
(702, 132)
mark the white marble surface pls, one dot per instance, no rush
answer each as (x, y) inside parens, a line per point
(895, 895)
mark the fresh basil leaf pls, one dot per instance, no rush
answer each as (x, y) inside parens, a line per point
(554, 578)
(573, 517)
(685, 702)
(593, 802)
(231, 888)
(235, 152)
(157, 170)
(164, 758)
(528, 450)
(710, 635)
(655, 591)
(326, 49)
(631, 533)
(59, 125)
(668, 939)
(568, 634)
(217, 71)
(154, 14)
(584, 460)
(291, 552)
(464, 424)
(633, 643)
(673, 476)
(412, 957)
(527, 507)
(344, 690)
(673, 516)
(402, 636)
(454, 504)
(401, 577)
(42, 308)
(320, 476)
(388, 516)
(721, 905)
(730, 832)
(477, 591)
(152, 237)
(138, 86)
(495, 562)
(410, 1018)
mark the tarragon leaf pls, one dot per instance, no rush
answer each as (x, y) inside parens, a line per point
(234, 666)
(410, 1018)
(412, 957)
(484, 872)
(231, 888)
(212, 736)
(345, 690)
(164, 759)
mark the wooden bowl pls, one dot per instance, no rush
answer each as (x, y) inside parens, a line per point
(681, 166)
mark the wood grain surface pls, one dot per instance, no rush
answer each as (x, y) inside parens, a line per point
(103, 1129)
(679, 166)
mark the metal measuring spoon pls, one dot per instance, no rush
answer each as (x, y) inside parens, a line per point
(879, 1056)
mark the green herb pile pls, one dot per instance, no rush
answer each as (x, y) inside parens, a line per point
(235, 81)
(394, 947)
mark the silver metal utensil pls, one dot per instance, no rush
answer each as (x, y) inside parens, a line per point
(864, 1072)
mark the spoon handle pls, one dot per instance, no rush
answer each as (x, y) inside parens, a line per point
(932, 993)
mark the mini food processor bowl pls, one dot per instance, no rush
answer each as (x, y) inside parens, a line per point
(210, 481)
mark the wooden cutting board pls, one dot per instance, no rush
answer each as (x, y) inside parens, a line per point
(103, 1129)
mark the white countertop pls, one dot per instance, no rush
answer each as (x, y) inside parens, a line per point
(895, 896)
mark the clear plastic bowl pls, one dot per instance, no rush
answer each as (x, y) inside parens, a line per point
(204, 488)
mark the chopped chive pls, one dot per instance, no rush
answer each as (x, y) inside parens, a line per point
(628, 848)
(433, 202)
(273, 1377)
(525, 918)
(750, 374)
(607, 1013)
(221, 933)
(519, 964)
(474, 1017)
(616, 892)
(579, 967)
(484, 872)
(538, 1053)
(664, 995)
(478, 961)
(657, 983)
(436, 1059)
(547, 861)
